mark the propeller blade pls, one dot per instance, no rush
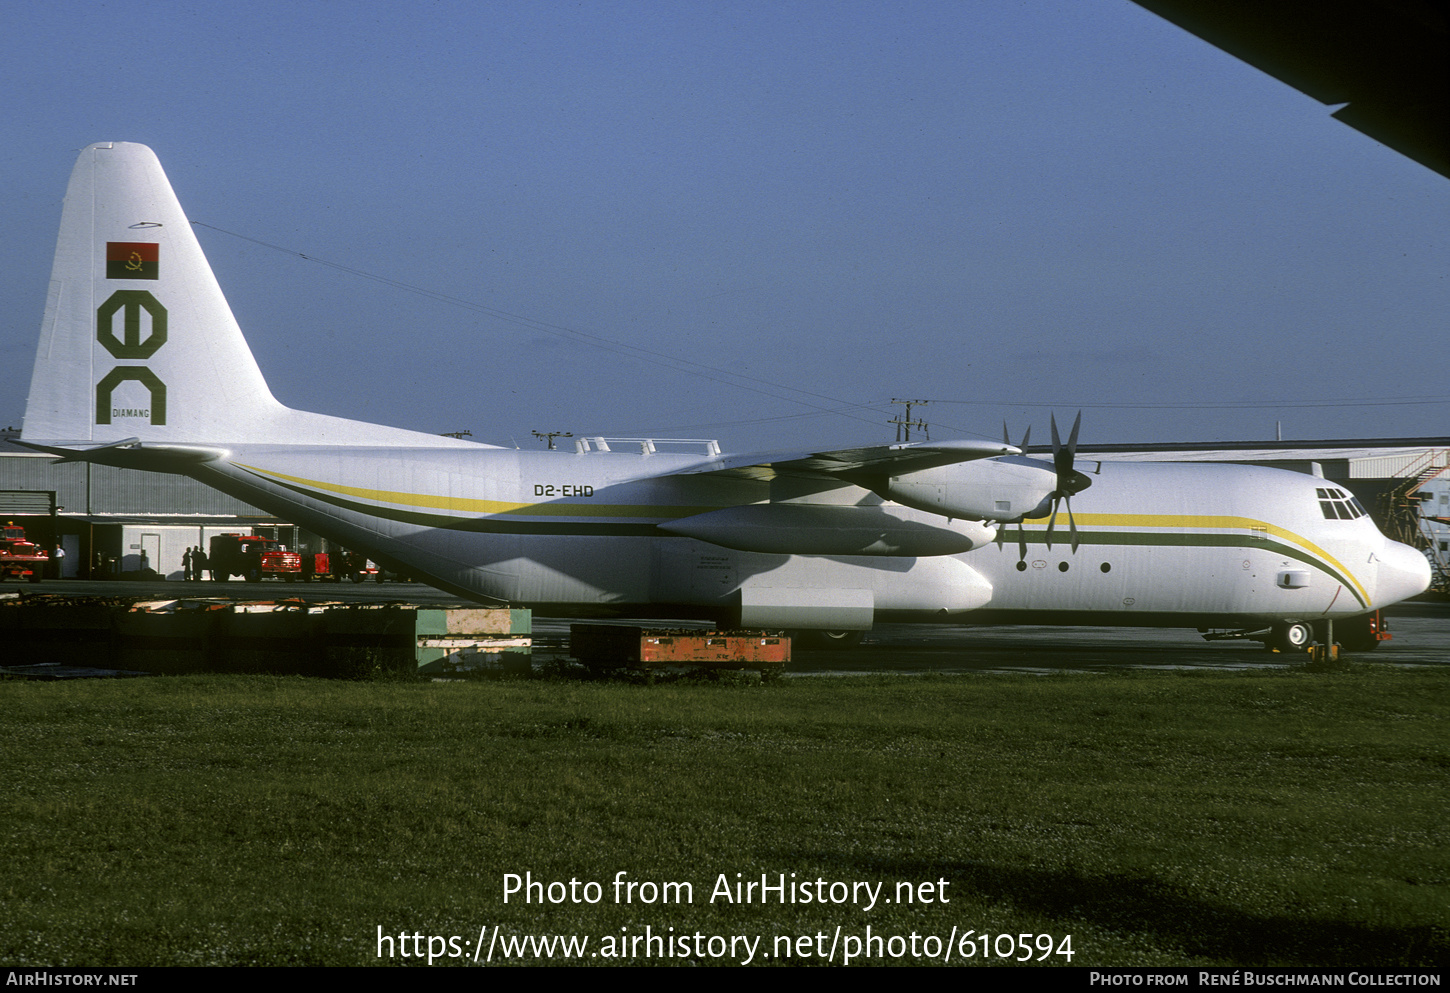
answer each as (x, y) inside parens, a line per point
(1025, 435)
(1069, 480)
(1062, 457)
(1021, 542)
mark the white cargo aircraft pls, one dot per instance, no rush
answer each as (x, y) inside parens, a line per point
(142, 365)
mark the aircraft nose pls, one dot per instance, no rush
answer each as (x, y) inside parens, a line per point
(1403, 572)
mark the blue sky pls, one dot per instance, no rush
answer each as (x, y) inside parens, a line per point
(752, 221)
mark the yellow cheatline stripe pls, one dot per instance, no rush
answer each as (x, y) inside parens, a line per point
(1200, 522)
(468, 505)
(472, 506)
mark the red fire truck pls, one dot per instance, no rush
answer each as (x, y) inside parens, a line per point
(20, 557)
(337, 566)
(252, 557)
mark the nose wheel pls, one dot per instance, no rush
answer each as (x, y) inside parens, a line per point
(1295, 636)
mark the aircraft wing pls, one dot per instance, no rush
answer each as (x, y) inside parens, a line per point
(891, 460)
(1389, 60)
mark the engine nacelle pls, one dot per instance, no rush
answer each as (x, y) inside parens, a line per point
(815, 529)
(1001, 489)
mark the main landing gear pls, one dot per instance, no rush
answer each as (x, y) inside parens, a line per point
(823, 640)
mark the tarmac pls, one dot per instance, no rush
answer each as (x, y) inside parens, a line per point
(1421, 631)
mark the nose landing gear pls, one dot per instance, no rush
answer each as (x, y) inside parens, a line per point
(1320, 639)
(1300, 636)
(1295, 636)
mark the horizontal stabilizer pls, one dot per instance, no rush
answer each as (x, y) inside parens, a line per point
(132, 453)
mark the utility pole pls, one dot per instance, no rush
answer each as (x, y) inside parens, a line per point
(905, 424)
(551, 435)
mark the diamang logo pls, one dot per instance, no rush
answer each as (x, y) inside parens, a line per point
(130, 304)
(136, 373)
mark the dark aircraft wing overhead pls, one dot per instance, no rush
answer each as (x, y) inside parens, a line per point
(877, 459)
(1389, 60)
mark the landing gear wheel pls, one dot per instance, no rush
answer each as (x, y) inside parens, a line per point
(1293, 637)
(818, 640)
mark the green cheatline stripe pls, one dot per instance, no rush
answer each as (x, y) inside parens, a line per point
(487, 525)
(1191, 539)
(490, 525)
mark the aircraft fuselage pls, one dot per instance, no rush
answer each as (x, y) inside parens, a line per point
(1160, 543)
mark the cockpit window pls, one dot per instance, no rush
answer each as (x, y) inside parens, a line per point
(1338, 505)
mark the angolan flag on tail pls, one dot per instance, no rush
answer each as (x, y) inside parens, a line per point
(132, 260)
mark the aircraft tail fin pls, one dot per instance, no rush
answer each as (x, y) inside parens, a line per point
(138, 340)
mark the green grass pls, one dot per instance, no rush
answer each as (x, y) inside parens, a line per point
(1157, 818)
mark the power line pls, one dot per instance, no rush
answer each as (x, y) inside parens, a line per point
(1213, 404)
(904, 423)
(795, 394)
(688, 366)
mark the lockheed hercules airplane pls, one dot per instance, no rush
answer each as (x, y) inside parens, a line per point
(141, 364)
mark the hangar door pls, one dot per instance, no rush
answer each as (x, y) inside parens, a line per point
(27, 503)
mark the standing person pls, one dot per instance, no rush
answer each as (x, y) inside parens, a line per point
(199, 562)
(58, 557)
(186, 559)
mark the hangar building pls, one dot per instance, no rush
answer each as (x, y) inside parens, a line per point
(106, 518)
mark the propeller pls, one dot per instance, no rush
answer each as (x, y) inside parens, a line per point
(1069, 480)
(1025, 435)
(1002, 528)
